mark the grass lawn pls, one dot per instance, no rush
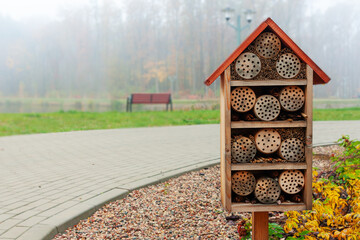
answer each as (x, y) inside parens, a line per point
(20, 123)
(337, 114)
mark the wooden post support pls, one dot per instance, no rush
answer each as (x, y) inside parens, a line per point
(260, 225)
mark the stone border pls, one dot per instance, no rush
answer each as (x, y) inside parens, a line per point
(63, 220)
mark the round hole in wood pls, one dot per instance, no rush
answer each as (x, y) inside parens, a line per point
(292, 98)
(267, 107)
(267, 140)
(267, 190)
(292, 149)
(242, 99)
(291, 181)
(288, 65)
(248, 65)
(243, 150)
(243, 183)
(267, 45)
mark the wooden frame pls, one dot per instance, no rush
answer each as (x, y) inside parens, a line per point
(314, 75)
(227, 126)
(225, 139)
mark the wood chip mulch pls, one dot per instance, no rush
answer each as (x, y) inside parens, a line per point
(186, 207)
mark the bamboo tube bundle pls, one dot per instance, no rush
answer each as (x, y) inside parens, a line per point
(243, 150)
(267, 190)
(242, 99)
(292, 149)
(248, 65)
(292, 98)
(267, 108)
(288, 65)
(243, 183)
(267, 141)
(291, 181)
(267, 45)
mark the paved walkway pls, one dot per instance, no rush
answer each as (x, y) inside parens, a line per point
(50, 181)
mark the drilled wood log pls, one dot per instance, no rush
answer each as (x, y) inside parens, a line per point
(267, 190)
(288, 65)
(267, 108)
(248, 65)
(242, 149)
(243, 183)
(242, 99)
(292, 98)
(292, 149)
(267, 141)
(291, 181)
(267, 44)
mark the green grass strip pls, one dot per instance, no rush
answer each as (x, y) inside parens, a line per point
(22, 123)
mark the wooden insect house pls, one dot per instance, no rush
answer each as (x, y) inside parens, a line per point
(266, 123)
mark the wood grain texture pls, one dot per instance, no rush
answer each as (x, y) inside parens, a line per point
(275, 82)
(260, 225)
(267, 166)
(320, 76)
(222, 140)
(308, 138)
(271, 124)
(259, 207)
(226, 125)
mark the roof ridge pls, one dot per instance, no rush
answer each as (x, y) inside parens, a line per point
(320, 76)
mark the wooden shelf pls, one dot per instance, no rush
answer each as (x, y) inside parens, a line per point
(270, 124)
(267, 166)
(258, 207)
(279, 82)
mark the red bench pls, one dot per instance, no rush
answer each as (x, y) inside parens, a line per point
(149, 98)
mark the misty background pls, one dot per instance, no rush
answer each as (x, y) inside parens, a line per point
(105, 49)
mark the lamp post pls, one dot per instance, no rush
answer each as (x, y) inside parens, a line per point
(238, 28)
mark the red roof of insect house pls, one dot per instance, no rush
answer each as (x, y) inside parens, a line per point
(319, 76)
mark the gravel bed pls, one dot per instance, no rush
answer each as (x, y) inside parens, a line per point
(186, 207)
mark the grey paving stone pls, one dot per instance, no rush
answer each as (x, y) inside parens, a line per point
(16, 205)
(38, 232)
(9, 223)
(5, 216)
(51, 212)
(14, 232)
(20, 209)
(26, 215)
(31, 221)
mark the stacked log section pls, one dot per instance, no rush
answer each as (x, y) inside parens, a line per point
(288, 65)
(243, 150)
(292, 150)
(248, 65)
(292, 98)
(268, 45)
(242, 99)
(267, 108)
(243, 183)
(267, 141)
(291, 181)
(267, 190)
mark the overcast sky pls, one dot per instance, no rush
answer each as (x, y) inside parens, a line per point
(24, 9)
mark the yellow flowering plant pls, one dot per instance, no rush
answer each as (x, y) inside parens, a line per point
(336, 201)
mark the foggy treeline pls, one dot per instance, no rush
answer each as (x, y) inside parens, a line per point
(108, 49)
